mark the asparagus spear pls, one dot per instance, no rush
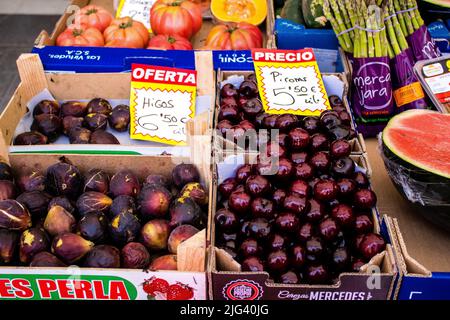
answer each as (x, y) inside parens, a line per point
(406, 16)
(395, 23)
(392, 37)
(335, 26)
(366, 25)
(416, 11)
(400, 17)
(340, 22)
(345, 16)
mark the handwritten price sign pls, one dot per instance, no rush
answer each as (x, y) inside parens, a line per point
(162, 100)
(290, 82)
(139, 10)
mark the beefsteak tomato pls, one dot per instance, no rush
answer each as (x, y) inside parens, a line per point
(176, 17)
(174, 42)
(94, 16)
(80, 36)
(126, 33)
(232, 36)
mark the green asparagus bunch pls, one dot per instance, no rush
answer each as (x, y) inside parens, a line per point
(397, 38)
(408, 15)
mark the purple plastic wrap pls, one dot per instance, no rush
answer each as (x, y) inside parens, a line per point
(408, 92)
(372, 94)
(422, 46)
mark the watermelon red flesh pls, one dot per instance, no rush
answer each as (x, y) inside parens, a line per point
(421, 138)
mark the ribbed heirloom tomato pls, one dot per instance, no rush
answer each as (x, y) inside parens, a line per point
(240, 36)
(169, 43)
(94, 16)
(176, 17)
(126, 33)
(80, 36)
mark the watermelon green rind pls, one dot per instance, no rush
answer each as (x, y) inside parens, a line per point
(394, 123)
(439, 3)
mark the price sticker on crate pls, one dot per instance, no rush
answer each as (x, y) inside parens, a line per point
(139, 10)
(162, 100)
(289, 81)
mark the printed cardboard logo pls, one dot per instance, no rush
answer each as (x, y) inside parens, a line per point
(242, 290)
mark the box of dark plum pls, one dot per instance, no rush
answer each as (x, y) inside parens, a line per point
(103, 227)
(86, 113)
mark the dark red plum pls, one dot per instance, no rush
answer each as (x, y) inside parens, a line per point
(319, 142)
(286, 122)
(296, 204)
(317, 274)
(257, 186)
(320, 161)
(252, 264)
(328, 229)
(249, 247)
(343, 167)
(371, 245)
(300, 138)
(287, 222)
(239, 202)
(227, 186)
(300, 188)
(277, 261)
(297, 256)
(340, 148)
(365, 199)
(325, 190)
(316, 212)
(259, 228)
(262, 208)
(226, 221)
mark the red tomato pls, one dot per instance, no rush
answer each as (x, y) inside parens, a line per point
(169, 43)
(126, 33)
(94, 16)
(80, 36)
(240, 36)
(176, 17)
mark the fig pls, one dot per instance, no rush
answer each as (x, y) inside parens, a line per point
(64, 179)
(14, 216)
(36, 202)
(32, 241)
(96, 180)
(124, 228)
(7, 190)
(196, 192)
(186, 211)
(46, 259)
(31, 180)
(157, 179)
(30, 138)
(49, 125)
(155, 233)
(122, 204)
(154, 201)
(47, 107)
(184, 173)
(93, 227)
(8, 245)
(79, 135)
(135, 256)
(167, 262)
(124, 182)
(99, 105)
(71, 122)
(5, 171)
(59, 221)
(96, 121)
(62, 202)
(103, 256)
(70, 247)
(73, 108)
(103, 137)
(119, 119)
(93, 201)
(180, 234)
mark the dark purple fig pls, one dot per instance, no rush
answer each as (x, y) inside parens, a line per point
(71, 122)
(157, 179)
(30, 138)
(49, 125)
(7, 190)
(14, 215)
(179, 235)
(46, 259)
(155, 233)
(102, 256)
(99, 105)
(124, 228)
(8, 245)
(73, 108)
(64, 179)
(103, 137)
(62, 202)
(195, 191)
(96, 121)
(47, 107)
(184, 173)
(93, 227)
(122, 204)
(119, 119)
(70, 247)
(36, 202)
(154, 201)
(5, 171)
(135, 256)
(32, 241)
(31, 180)
(93, 201)
(96, 180)
(125, 183)
(186, 211)
(167, 262)
(59, 221)
(79, 135)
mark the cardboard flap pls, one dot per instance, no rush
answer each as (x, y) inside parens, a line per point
(205, 78)
(191, 253)
(3, 149)
(226, 262)
(32, 75)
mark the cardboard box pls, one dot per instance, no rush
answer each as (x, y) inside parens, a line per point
(86, 86)
(375, 281)
(422, 248)
(107, 284)
(102, 59)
